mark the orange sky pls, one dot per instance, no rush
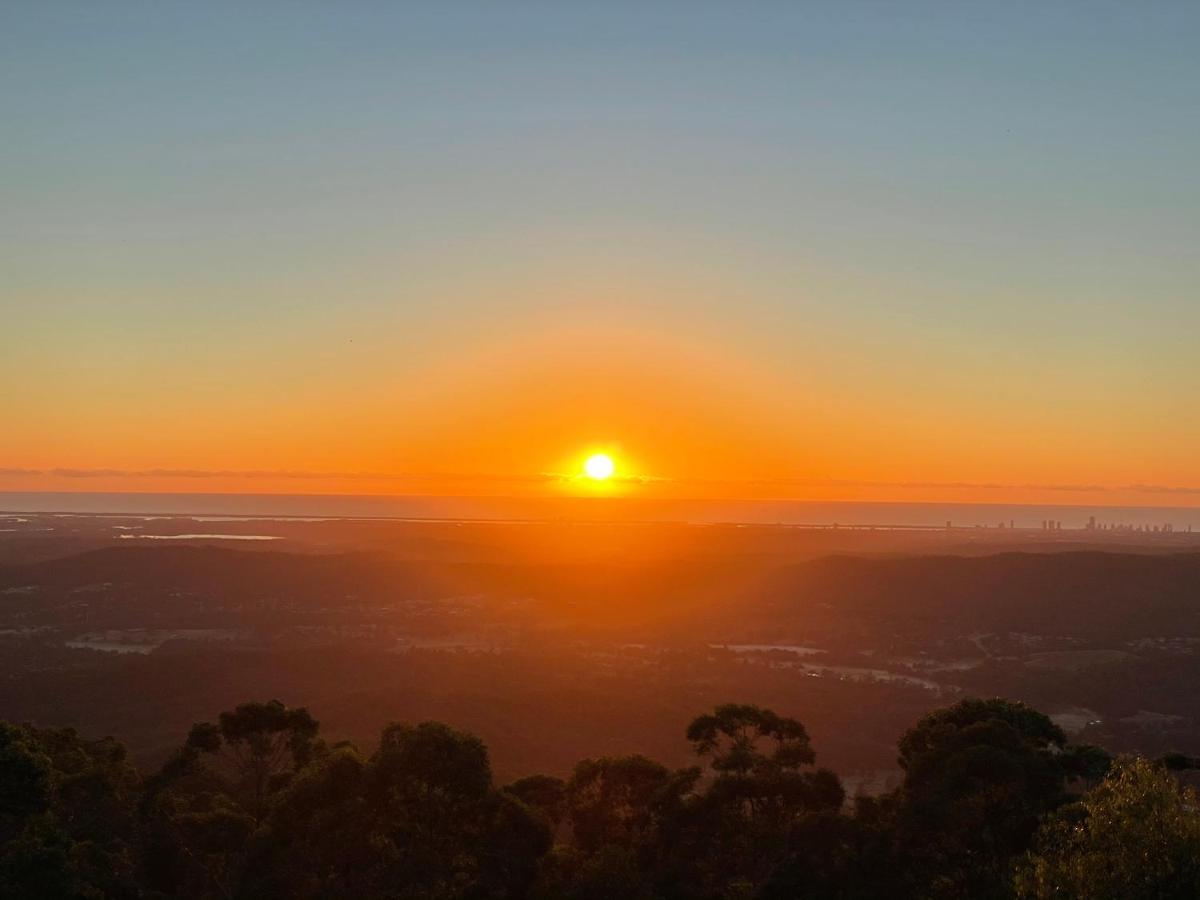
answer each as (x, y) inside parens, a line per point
(518, 417)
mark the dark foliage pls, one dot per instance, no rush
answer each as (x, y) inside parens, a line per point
(258, 805)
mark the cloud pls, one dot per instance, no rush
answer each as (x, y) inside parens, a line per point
(1162, 489)
(297, 474)
(574, 477)
(324, 475)
(977, 486)
(581, 478)
(933, 485)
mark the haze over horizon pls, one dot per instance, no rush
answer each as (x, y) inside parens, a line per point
(853, 251)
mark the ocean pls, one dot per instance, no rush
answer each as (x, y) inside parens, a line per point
(762, 512)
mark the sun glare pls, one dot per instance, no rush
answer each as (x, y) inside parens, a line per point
(599, 466)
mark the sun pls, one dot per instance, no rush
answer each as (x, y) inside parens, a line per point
(599, 466)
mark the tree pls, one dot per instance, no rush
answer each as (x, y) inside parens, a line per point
(979, 776)
(758, 758)
(544, 793)
(761, 786)
(611, 872)
(65, 815)
(440, 826)
(262, 743)
(831, 855)
(1136, 836)
(24, 780)
(257, 806)
(622, 812)
(419, 819)
(946, 727)
(1085, 762)
(317, 840)
(730, 736)
(198, 812)
(620, 802)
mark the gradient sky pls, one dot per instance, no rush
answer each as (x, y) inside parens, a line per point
(836, 250)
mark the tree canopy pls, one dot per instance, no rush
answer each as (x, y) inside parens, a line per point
(1136, 836)
(995, 802)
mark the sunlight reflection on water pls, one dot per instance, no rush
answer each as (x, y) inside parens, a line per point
(205, 537)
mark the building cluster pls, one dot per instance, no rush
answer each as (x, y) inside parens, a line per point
(1166, 528)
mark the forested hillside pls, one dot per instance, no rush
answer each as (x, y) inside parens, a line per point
(995, 802)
